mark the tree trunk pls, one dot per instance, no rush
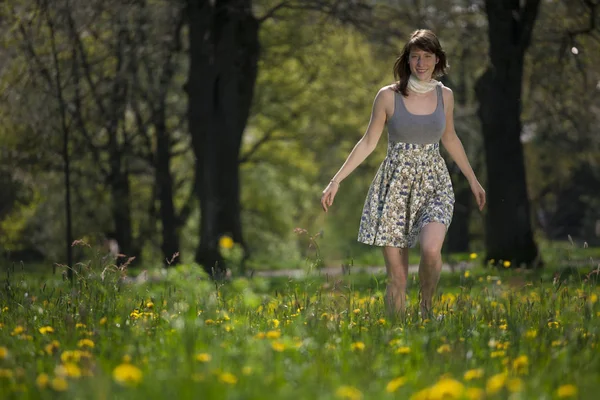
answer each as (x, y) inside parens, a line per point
(164, 181)
(224, 50)
(509, 234)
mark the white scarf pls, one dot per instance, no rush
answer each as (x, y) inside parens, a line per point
(418, 86)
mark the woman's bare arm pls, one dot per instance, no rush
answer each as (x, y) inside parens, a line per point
(364, 147)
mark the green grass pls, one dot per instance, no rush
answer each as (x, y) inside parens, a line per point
(497, 333)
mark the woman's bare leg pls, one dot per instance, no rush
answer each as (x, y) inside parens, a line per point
(431, 239)
(396, 265)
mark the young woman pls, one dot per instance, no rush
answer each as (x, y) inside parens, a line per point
(411, 197)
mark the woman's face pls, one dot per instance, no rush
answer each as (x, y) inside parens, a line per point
(422, 63)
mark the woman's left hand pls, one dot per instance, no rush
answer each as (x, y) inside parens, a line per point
(479, 193)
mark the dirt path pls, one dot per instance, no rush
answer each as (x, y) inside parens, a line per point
(299, 273)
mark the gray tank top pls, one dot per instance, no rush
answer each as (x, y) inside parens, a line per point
(417, 129)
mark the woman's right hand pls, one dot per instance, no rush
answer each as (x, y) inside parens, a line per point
(329, 194)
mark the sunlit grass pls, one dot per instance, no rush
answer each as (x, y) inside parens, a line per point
(496, 334)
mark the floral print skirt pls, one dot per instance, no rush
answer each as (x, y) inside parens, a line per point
(411, 189)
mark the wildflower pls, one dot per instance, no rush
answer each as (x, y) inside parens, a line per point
(506, 264)
(566, 391)
(445, 348)
(228, 378)
(474, 393)
(467, 274)
(86, 343)
(356, 311)
(18, 330)
(273, 334)
(274, 322)
(521, 363)
(473, 256)
(473, 374)
(225, 242)
(349, 392)
(403, 350)
(394, 384)
(278, 346)
(42, 381)
(499, 353)
(381, 321)
(553, 324)
(103, 320)
(3, 352)
(203, 357)
(150, 304)
(127, 374)
(49, 348)
(531, 334)
(593, 298)
(514, 385)
(495, 383)
(209, 322)
(80, 325)
(59, 384)
(46, 329)
(70, 370)
(357, 346)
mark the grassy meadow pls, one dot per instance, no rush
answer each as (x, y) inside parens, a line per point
(497, 334)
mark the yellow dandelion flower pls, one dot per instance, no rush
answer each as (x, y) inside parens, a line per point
(445, 348)
(46, 329)
(18, 330)
(403, 350)
(557, 343)
(531, 334)
(496, 354)
(86, 343)
(593, 298)
(127, 374)
(3, 352)
(474, 393)
(103, 320)
(226, 242)
(514, 385)
(467, 274)
(521, 363)
(495, 383)
(357, 346)
(447, 388)
(473, 256)
(260, 335)
(394, 384)
(209, 322)
(274, 322)
(473, 374)
(349, 393)
(70, 370)
(273, 334)
(381, 321)
(228, 378)
(149, 304)
(80, 325)
(278, 346)
(42, 381)
(566, 391)
(553, 324)
(203, 357)
(356, 311)
(506, 264)
(59, 384)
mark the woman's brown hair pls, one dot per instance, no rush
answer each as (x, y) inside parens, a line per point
(422, 39)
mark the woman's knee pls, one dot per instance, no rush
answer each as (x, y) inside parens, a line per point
(431, 252)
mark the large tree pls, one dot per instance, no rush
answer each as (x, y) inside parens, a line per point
(509, 234)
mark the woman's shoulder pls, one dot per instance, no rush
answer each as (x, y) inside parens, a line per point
(446, 93)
